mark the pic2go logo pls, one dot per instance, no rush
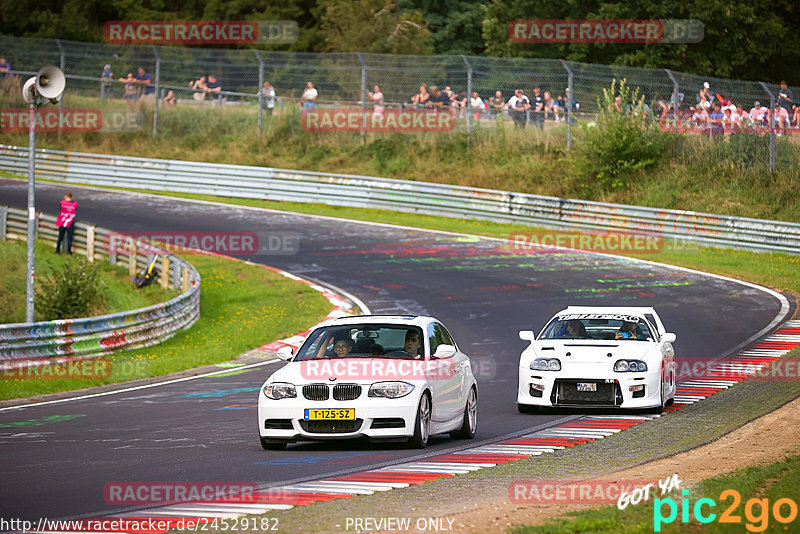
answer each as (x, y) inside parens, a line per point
(756, 511)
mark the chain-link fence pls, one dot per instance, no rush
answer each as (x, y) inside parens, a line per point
(569, 91)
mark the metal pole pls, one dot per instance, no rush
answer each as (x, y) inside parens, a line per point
(675, 106)
(260, 89)
(569, 104)
(469, 99)
(771, 127)
(363, 95)
(61, 64)
(31, 211)
(158, 82)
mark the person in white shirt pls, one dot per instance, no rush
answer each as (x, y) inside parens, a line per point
(477, 105)
(376, 95)
(309, 98)
(517, 107)
(268, 97)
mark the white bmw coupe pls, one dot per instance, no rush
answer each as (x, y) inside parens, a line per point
(380, 377)
(600, 357)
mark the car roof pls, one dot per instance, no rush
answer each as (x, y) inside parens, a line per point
(401, 320)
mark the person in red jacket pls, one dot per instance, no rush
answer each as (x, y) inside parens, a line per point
(66, 222)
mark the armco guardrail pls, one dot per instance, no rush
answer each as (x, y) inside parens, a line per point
(402, 195)
(94, 336)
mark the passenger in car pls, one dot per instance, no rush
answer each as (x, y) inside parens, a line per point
(575, 328)
(627, 331)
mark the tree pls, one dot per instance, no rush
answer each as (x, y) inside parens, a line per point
(376, 26)
(455, 25)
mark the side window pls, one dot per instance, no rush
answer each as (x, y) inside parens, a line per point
(653, 328)
(432, 339)
(438, 335)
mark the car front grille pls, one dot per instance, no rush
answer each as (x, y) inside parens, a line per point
(566, 392)
(346, 392)
(316, 392)
(331, 427)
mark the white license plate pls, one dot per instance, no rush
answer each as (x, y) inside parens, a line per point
(587, 386)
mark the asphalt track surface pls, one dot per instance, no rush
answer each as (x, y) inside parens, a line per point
(57, 459)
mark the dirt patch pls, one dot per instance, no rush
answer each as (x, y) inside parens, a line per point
(766, 440)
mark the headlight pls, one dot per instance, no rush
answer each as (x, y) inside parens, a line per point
(390, 390)
(546, 364)
(630, 366)
(280, 390)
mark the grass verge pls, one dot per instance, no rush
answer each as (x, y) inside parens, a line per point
(119, 294)
(766, 484)
(242, 306)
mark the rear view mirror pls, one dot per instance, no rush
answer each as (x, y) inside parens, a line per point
(285, 353)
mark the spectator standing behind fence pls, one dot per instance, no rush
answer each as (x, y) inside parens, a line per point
(785, 97)
(199, 87)
(106, 89)
(496, 104)
(518, 106)
(148, 91)
(757, 113)
(537, 105)
(309, 99)
(66, 222)
(268, 97)
(214, 88)
(717, 120)
(376, 95)
(130, 95)
(705, 95)
(477, 105)
(5, 67)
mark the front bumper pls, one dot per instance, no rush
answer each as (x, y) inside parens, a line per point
(375, 418)
(613, 390)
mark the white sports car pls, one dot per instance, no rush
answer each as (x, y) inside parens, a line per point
(380, 377)
(598, 356)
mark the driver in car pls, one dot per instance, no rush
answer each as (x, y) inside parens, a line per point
(342, 347)
(627, 331)
(412, 343)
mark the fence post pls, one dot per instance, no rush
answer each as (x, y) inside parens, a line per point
(363, 95)
(675, 106)
(469, 99)
(3, 222)
(771, 126)
(184, 279)
(158, 83)
(132, 259)
(62, 65)
(165, 271)
(90, 244)
(569, 104)
(260, 95)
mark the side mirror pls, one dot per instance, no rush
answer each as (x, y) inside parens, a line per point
(444, 351)
(285, 353)
(669, 337)
(527, 335)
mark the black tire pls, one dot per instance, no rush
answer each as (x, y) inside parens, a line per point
(527, 408)
(422, 424)
(272, 445)
(470, 424)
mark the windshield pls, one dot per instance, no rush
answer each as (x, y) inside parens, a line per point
(598, 326)
(363, 341)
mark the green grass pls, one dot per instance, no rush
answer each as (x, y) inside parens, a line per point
(242, 306)
(774, 481)
(120, 294)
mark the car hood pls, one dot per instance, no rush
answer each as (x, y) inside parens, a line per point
(577, 350)
(353, 370)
